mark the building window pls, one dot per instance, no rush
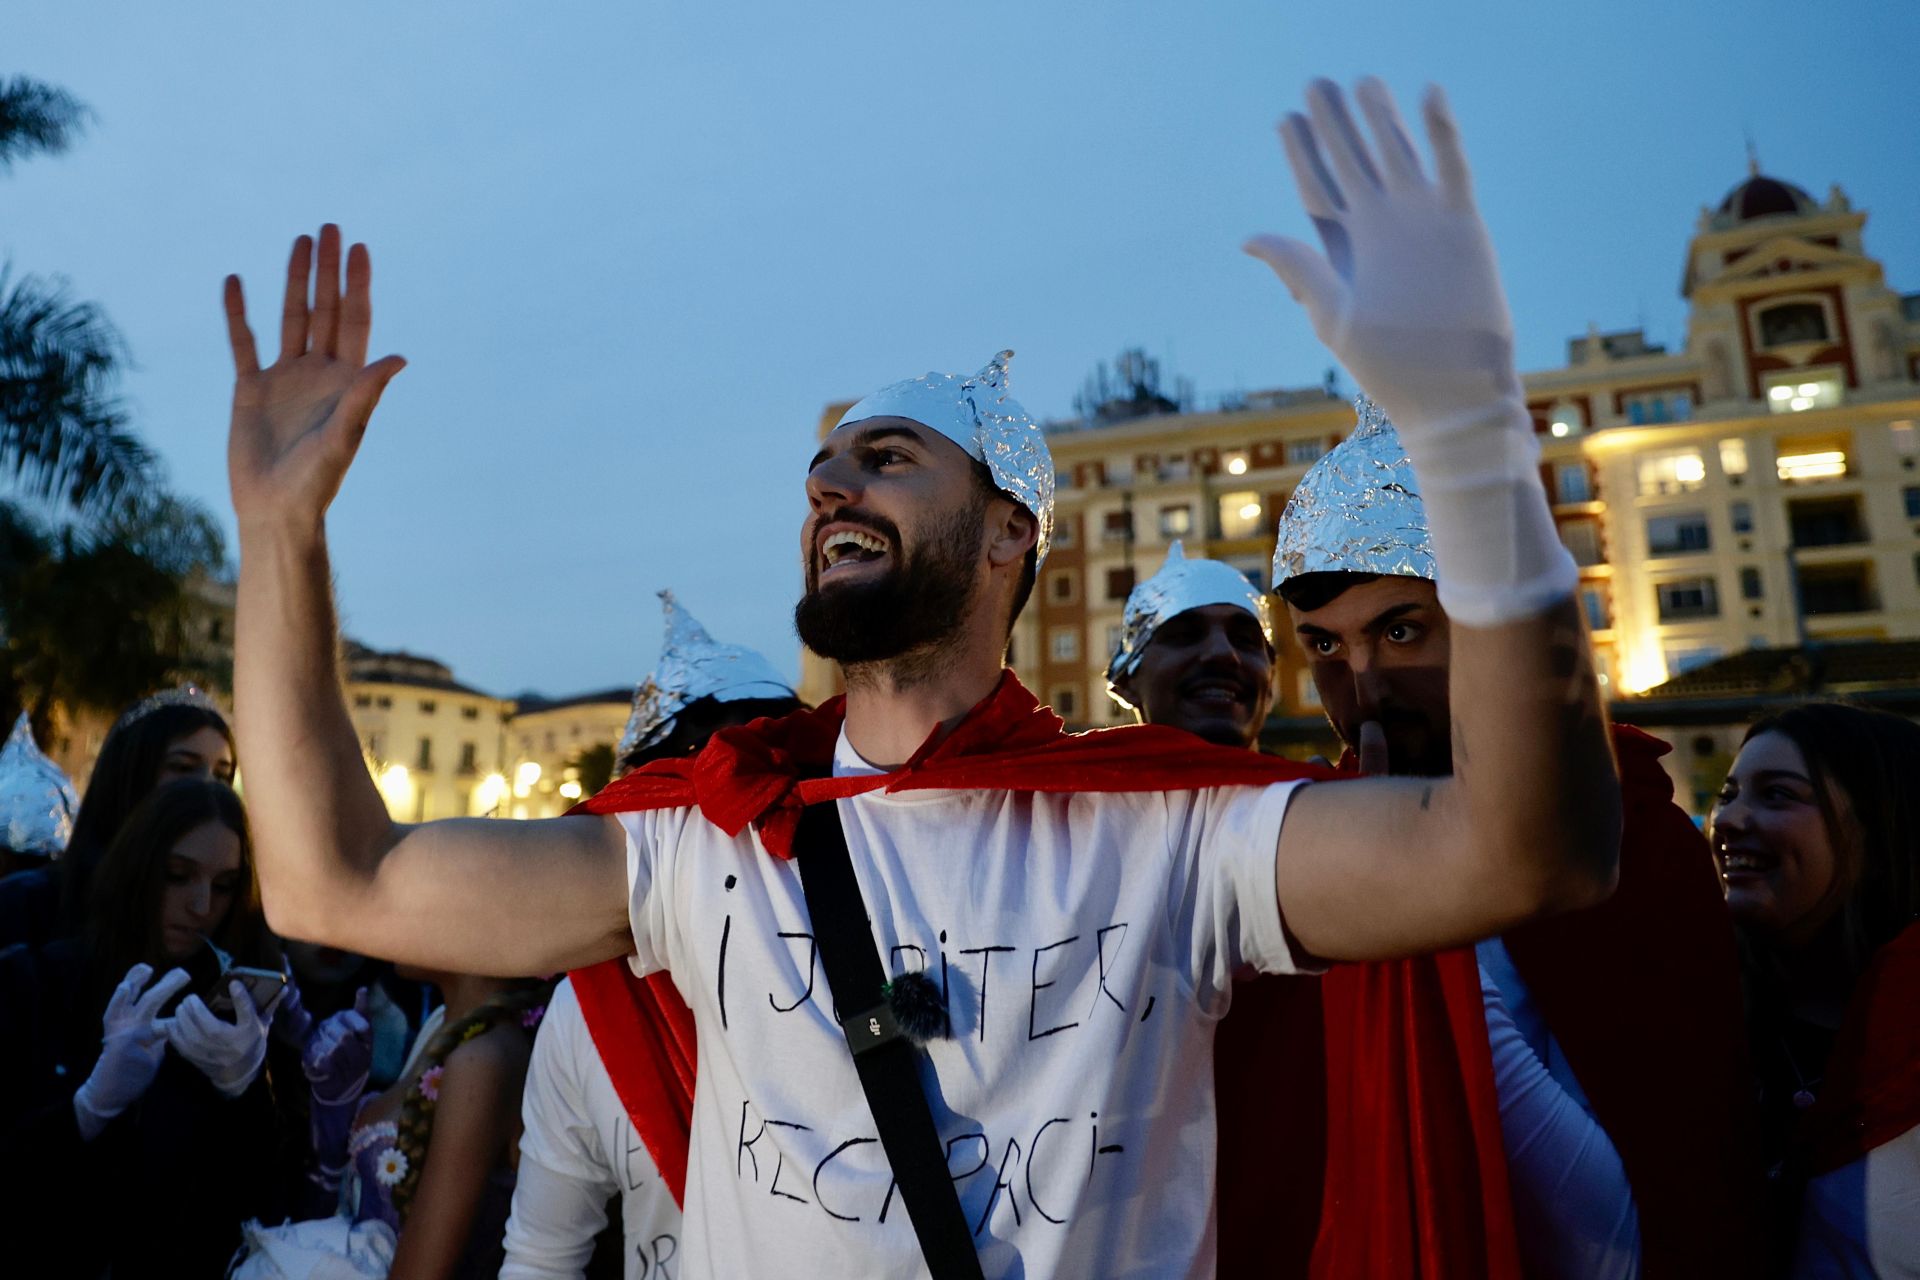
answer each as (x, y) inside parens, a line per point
(1911, 496)
(1063, 532)
(1837, 588)
(470, 712)
(1116, 526)
(1905, 446)
(1733, 458)
(1176, 522)
(1120, 582)
(1791, 322)
(1679, 534)
(366, 699)
(1647, 408)
(1674, 471)
(428, 706)
(469, 758)
(424, 761)
(1235, 464)
(1687, 598)
(1060, 586)
(1681, 661)
(1571, 483)
(1798, 390)
(1302, 452)
(1120, 471)
(1240, 515)
(1751, 587)
(1064, 644)
(1593, 602)
(1066, 703)
(383, 702)
(1114, 633)
(1309, 691)
(1741, 515)
(1826, 522)
(1582, 538)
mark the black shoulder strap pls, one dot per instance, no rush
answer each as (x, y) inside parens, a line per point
(888, 1062)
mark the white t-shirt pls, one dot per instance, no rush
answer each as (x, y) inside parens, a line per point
(1086, 946)
(578, 1152)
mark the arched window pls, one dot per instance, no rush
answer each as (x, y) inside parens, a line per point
(1792, 322)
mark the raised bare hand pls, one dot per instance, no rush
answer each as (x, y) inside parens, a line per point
(297, 423)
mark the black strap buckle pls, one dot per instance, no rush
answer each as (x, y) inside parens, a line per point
(871, 1029)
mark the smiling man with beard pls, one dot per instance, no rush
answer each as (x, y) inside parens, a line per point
(1076, 906)
(1196, 651)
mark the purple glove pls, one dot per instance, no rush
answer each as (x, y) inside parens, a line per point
(340, 1053)
(292, 1024)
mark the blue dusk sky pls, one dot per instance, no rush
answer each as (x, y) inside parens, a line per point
(632, 249)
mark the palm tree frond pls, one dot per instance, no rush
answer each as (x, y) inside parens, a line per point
(37, 119)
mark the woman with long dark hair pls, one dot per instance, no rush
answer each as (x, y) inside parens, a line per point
(136, 1120)
(178, 733)
(1817, 835)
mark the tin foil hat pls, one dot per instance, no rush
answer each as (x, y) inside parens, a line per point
(37, 802)
(1181, 584)
(692, 666)
(981, 416)
(1358, 510)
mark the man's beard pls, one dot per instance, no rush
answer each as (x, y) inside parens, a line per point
(920, 602)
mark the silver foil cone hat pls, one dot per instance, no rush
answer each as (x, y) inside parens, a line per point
(693, 665)
(981, 416)
(37, 801)
(1358, 510)
(1181, 584)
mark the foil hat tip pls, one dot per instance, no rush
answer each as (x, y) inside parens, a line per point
(1358, 510)
(37, 800)
(692, 666)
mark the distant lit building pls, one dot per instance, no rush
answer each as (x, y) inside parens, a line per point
(436, 747)
(548, 744)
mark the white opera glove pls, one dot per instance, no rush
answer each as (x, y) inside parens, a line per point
(1408, 297)
(229, 1054)
(134, 1042)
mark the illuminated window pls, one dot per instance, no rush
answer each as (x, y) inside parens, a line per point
(1733, 457)
(1905, 446)
(1816, 457)
(1240, 515)
(1674, 471)
(1797, 391)
(1064, 644)
(1565, 419)
(1236, 464)
(1679, 534)
(1176, 522)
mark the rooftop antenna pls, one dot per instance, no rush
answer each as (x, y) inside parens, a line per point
(1753, 156)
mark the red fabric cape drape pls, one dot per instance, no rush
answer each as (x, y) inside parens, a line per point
(1871, 1094)
(1429, 1183)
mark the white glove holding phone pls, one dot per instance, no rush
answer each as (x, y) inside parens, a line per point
(135, 1040)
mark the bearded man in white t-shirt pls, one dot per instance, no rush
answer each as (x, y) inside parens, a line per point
(1081, 914)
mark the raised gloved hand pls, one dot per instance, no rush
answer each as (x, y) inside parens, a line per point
(340, 1053)
(229, 1054)
(1408, 296)
(135, 1041)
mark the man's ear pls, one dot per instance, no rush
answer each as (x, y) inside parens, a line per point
(1012, 532)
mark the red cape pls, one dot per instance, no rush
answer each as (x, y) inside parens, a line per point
(1871, 1094)
(1443, 1200)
